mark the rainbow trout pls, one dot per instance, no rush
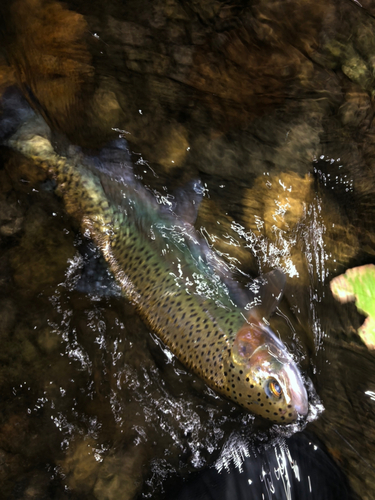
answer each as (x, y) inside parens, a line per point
(179, 285)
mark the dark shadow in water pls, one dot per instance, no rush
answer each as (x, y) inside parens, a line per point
(300, 468)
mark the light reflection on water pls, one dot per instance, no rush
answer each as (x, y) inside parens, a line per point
(274, 472)
(93, 401)
(126, 400)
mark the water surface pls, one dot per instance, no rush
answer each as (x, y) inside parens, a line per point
(270, 105)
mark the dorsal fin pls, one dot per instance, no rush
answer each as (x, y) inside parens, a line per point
(187, 200)
(116, 151)
(265, 293)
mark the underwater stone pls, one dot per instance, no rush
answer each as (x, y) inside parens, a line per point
(11, 218)
(80, 465)
(41, 258)
(8, 313)
(24, 174)
(120, 475)
(5, 182)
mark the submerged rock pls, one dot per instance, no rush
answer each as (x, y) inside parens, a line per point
(223, 90)
(41, 258)
(11, 218)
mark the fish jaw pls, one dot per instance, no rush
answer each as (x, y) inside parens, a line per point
(297, 393)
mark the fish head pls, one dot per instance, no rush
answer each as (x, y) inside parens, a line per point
(264, 377)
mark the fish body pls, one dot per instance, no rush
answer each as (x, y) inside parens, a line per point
(178, 284)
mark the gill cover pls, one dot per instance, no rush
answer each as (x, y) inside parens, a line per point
(266, 294)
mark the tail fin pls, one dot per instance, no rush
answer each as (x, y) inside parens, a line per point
(18, 120)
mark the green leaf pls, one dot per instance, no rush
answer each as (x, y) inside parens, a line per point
(359, 284)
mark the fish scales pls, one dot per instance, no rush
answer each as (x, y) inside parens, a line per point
(184, 321)
(179, 294)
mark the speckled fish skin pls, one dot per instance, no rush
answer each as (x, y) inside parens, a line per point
(164, 268)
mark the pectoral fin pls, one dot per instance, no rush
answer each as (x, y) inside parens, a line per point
(94, 275)
(248, 338)
(187, 200)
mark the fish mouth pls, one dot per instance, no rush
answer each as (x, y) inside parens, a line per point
(302, 406)
(297, 390)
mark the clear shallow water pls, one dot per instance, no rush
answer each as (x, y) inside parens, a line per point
(93, 405)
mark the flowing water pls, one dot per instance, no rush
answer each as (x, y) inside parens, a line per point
(270, 105)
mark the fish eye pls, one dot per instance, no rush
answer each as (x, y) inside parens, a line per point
(273, 388)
